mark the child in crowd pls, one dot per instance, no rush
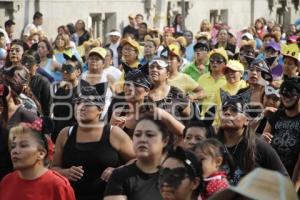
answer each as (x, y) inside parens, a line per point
(212, 154)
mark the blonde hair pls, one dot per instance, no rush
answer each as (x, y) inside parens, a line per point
(66, 39)
(20, 130)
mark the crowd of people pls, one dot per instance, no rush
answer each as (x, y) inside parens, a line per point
(152, 114)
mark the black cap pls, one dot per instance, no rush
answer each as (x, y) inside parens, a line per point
(28, 61)
(201, 44)
(138, 78)
(265, 70)
(291, 84)
(90, 94)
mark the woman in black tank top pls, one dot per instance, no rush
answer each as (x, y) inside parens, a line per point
(87, 152)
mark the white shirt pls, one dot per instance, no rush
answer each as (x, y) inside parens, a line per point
(114, 72)
(31, 28)
(114, 48)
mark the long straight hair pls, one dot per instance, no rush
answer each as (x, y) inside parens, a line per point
(249, 148)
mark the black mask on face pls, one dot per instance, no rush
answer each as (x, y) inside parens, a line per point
(173, 177)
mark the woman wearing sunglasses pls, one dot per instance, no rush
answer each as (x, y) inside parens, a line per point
(180, 176)
(139, 180)
(87, 152)
(244, 149)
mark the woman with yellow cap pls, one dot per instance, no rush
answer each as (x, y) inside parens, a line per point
(130, 50)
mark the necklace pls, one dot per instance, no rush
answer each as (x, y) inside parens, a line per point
(236, 146)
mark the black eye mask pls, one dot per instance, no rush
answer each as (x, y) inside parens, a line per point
(172, 177)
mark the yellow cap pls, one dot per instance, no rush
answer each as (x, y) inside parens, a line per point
(132, 43)
(99, 51)
(221, 51)
(235, 65)
(291, 50)
(174, 49)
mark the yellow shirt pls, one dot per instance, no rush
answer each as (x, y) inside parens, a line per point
(119, 85)
(183, 82)
(231, 89)
(210, 86)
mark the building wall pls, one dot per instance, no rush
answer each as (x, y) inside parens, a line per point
(59, 12)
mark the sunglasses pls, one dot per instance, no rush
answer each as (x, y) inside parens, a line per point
(173, 177)
(216, 60)
(201, 49)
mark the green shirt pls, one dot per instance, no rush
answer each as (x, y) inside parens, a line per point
(193, 71)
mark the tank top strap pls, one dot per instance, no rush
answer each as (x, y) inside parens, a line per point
(72, 132)
(105, 134)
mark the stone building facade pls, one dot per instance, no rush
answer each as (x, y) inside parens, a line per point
(104, 15)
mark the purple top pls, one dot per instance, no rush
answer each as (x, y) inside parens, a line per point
(277, 72)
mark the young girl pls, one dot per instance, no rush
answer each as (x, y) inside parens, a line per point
(212, 154)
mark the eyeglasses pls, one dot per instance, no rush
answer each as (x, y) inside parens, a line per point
(128, 49)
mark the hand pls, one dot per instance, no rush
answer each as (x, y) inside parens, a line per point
(107, 173)
(269, 110)
(118, 121)
(74, 173)
(267, 137)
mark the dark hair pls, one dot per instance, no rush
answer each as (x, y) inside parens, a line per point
(191, 163)
(249, 149)
(215, 148)
(9, 23)
(20, 43)
(110, 50)
(71, 28)
(4, 113)
(49, 48)
(37, 15)
(143, 24)
(139, 14)
(208, 129)
(161, 127)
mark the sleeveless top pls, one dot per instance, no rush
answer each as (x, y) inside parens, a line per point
(94, 157)
(57, 76)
